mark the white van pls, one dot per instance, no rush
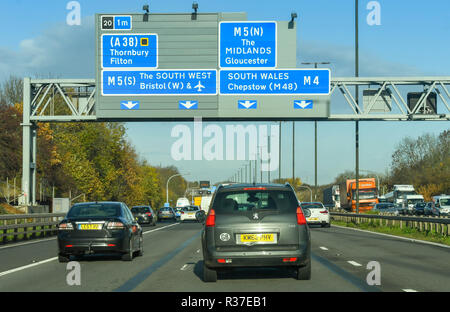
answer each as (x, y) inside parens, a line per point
(442, 202)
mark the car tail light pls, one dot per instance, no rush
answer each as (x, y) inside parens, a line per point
(221, 260)
(111, 245)
(300, 217)
(325, 211)
(148, 214)
(182, 212)
(211, 219)
(289, 259)
(69, 245)
(253, 188)
(65, 226)
(115, 226)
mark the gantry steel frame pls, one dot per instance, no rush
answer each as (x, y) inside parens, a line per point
(78, 95)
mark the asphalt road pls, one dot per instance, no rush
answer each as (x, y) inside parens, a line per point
(172, 261)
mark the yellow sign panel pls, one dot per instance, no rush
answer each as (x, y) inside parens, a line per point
(197, 201)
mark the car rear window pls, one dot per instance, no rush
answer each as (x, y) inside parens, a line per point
(250, 200)
(312, 206)
(94, 211)
(165, 209)
(190, 208)
(140, 209)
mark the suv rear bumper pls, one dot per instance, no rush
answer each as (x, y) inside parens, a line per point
(256, 258)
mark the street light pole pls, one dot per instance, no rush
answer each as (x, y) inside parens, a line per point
(167, 185)
(356, 100)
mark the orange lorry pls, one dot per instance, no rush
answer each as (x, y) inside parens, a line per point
(368, 196)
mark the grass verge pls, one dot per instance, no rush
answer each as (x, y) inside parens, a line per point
(394, 230)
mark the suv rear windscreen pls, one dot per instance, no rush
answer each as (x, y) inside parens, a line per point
(94, 211)
(252, 200)
(140, 209)
(190, 208)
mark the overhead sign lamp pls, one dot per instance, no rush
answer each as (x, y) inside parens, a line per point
(291, 22)
(195, 8)
(146, 9)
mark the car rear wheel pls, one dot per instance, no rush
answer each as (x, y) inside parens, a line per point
(304, 272)
(209, 275)
(63, 258)
(140, 252)
(128, 256)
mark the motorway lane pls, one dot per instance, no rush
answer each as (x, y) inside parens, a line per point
(404, 264)
(98, 273)
(172, 261)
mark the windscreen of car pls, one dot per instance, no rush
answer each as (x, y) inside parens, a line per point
(140, 209)
(254, 200)
(312, 206)
(445, 201)
(421, 205)
(94, 211)
(190, 208)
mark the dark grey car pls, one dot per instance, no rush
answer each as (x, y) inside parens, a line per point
(256, 225)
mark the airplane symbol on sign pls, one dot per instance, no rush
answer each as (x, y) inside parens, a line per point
(199, 86)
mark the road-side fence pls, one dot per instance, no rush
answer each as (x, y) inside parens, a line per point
(422, 224)
(28, 225)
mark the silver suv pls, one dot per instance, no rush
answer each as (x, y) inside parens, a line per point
(256, 225)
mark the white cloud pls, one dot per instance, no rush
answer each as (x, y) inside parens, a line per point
(61, 51)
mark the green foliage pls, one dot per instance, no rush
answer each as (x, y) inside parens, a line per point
(423, 162)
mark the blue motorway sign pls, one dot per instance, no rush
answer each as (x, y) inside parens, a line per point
(247, 104)
(247, 44)
(275, 81)
(303, 104)
(129, 105)
(160, 82)
(129, 51)
(187, 104)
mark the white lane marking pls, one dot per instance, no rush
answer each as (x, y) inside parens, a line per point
(184, 267)
(354, 263)
(27, 266)
(409, 290)
(160, 228)
(27, 243)
(54, 258)
(323, 248)
(393, 236)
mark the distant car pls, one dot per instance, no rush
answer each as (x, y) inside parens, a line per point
(386, 208)
(189, 213)
(419, 208)
(167, 213)
(144, 214)
(100, 227)
(178, 212)
(256, 225)
(430, 210)
(319, 214)
(401, 210)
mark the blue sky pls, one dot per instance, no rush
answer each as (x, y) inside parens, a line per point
(412, 40)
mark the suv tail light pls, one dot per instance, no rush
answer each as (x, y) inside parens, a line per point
(300, 217)
(325, 211)
(65, 226)
(115, 226)
(211, 219)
